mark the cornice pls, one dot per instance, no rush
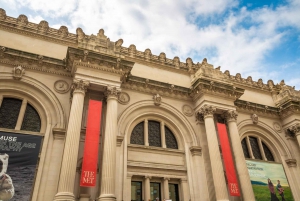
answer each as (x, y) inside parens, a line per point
(155, 87)
(22, 26)
(251, 107)
(100, 61)
(13, 57)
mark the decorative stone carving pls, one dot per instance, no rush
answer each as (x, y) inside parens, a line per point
(238, 77)
(61, 86)
(85, 53)
(80, 86)
(147, 54)
(43, 26)
(132, 50)
(112, 92)
(227, 73)
(291, 162)
(40, 59)
(162, 57)
(118, 44)
(196, 151)
(63, 31)
(260, 83)
(2, 14)
(231, 115)
(249, 80)
(157, 99)
(176, 62)
(295, 129)
(199, 118)
(123, 98)
(119, 140)
(254, 118)
(187, 110)
(2, 50)
(22, 20)
(277, 127)
(189, 64)
(18, 72)
(270, 84)
(207, 110)
(80, 34)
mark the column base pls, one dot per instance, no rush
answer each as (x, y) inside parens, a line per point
(107, 197)
(64, 196)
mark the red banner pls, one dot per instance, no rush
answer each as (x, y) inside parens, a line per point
(228, 161)
(90, 154)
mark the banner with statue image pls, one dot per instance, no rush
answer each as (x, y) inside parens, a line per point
(18, 161)
(269, 181)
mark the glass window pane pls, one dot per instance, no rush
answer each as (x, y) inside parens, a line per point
(154, 135)
(137, 135)
(9, 112)
(136, 191)
(155, 192)
(268, 153)
(31, 121)
(173, 192)
(255, 148)
(245, 148)
(170, 139)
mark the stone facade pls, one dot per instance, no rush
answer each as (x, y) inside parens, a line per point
(58, 72)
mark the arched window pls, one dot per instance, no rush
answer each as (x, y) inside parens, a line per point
(19, 115)
(255, 148)
(156, 132)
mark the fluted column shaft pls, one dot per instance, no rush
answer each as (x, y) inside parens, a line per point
(166, 188)
(147, 188)
(109, 151)
(214, 153)
(240, 163)
(69, 162)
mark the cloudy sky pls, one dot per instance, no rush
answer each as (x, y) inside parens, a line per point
(260, 38)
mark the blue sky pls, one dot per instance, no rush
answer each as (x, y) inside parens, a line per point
(255, 38)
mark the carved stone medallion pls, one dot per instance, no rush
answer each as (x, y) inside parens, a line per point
(254, 118)
(18, 72)
(123, 98)
(61, 86)
(187, 110)
(277, 127)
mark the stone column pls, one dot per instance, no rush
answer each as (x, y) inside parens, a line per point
(147, 187)
(69, 162)
(109, 150)
(166, 188)
(296, 131)
(238, 154)
(146, 132)
(214, 153)
(185, 193)
(163, 135)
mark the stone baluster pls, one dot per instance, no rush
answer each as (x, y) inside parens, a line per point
(240, 163)
(147, 187)
(109, 150)
(69, 162)
(166, 188)
(216, 162)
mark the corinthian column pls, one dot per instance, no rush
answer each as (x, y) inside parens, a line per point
(69, 162)
(109, 150)
(214, 153)
(296, 131)
(240, 163)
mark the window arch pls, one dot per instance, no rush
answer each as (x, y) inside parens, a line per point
(19, 115)
(153, 133)
(255, 148)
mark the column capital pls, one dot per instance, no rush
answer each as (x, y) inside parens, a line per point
(112, 92)
(231, 115)
(80, 86)
(196, 150)
(207, 111)
(291, 162)
(293, 130)
(148, 177)
(167, 178)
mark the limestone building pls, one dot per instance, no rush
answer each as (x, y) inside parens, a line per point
(158, 135)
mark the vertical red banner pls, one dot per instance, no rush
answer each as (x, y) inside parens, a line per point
(228, 161)
(90, 154)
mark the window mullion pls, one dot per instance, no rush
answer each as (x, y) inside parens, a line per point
(249, 148)
(21, 115)
(261, 149)
(146, 132)
(163, 135)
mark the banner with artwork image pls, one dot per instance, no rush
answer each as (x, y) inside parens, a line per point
(18, 161)
(264, 178)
